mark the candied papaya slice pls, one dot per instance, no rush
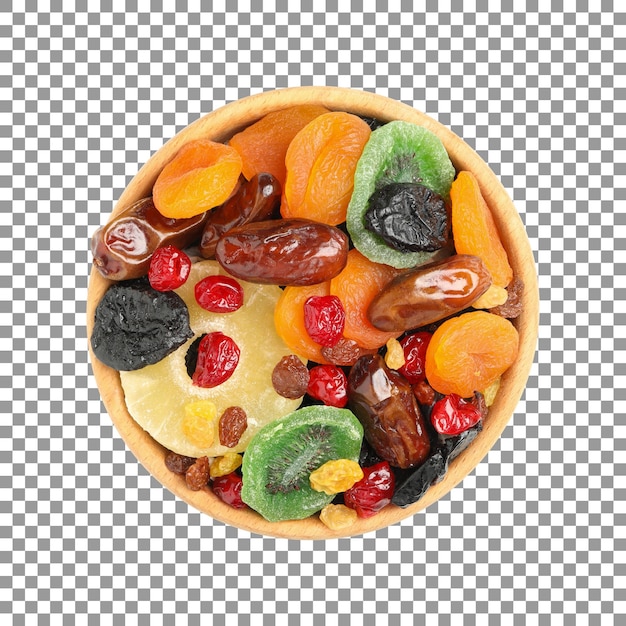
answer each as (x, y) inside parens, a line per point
(289, 320)
(357, 286)
(201, 176)
(475, 231)
(321, 161)
(398, 152)
(470, 352)
(263, 145)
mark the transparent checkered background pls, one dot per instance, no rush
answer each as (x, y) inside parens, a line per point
(536, 534)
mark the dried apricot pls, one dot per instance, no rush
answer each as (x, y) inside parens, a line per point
(357, 285)
(321, 161)
(468, 353)
(200, 177)
(289, 320)
(474, 229)
(263, 145)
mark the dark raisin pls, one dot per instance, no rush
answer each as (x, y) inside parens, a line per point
(408, 217)
(372, 122)
(345, 352)
(290, 377)
(178, 463)
(191, 358)
(197, 476)
(136, 325)
(513, 305)
(232, 426)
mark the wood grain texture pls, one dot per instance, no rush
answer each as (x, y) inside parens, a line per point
(219, 126)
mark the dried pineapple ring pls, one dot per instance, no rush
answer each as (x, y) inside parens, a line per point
(156, 395)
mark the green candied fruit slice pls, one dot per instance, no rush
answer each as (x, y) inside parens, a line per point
(281, 456)
(398, 152)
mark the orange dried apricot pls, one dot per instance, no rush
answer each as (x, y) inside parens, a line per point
(468, 353)
(356, 286)
(289, 320)
(263, 145)
(474, 229)
(321, 161)
(201, 176)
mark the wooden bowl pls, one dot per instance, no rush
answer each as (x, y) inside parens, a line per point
(220, 125)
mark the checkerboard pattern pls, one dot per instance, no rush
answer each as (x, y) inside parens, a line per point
(536, 534)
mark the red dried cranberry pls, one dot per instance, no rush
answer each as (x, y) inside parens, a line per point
(324, 319)
(228, 489)
(329, 384)
(452, 415)
(169, 268)
(414, 347)
(218, 356)
(219, 294)
(373, 492)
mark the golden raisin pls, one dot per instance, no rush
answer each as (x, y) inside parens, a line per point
(226, 464)
(199, 423)
(494, 296)
(338, 516)
(394, 357)
(489, 394)
(336, 476)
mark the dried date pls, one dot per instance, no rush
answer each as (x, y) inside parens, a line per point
(283, 252)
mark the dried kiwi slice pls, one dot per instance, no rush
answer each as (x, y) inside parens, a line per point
(398, 152)
(282, 455)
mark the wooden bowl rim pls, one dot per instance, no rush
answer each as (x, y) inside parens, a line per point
(219, 125)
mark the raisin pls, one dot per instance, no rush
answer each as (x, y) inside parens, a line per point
(335, 476)
(290, 377)
(408, 217)
(513, 305)
(136, 325)
(232, 426)
(197, 476)
(345, 352)
(169, 268)
(178, 463)
(424, 393)
(226, 464)
(337, 516)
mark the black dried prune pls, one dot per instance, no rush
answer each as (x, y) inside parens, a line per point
(136, 325)
(408, 217)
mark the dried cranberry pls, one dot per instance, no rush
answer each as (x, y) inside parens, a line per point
(228, 489)
(324, 319)
(219, 294)
(169, 268)
(373, 492)
(329, 384)
(218, 356)
(452, 415)
(414, 347)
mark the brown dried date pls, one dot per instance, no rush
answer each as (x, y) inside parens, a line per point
(383, 401)
(254, 201)
(283, 252)
(122, 249)
(429, 293)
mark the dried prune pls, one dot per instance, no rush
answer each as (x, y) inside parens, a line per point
(383, 401)
(412, 485)
(408, 217)
(136, 325)
(255, 200)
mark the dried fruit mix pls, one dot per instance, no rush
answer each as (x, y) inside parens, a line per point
(307, 370)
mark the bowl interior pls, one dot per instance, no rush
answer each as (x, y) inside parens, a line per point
(219, 126)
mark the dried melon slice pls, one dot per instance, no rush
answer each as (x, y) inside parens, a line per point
(159, 397)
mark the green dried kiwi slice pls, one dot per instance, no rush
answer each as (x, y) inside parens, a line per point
(281, 456)
(398, 152)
